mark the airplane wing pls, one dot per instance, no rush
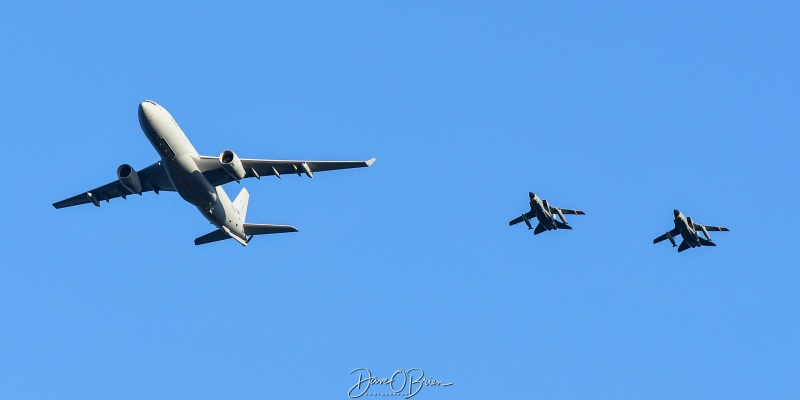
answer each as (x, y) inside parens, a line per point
(674, 233)
(153, 178)
(712, 228)
(529, 214)
(567, 211)
(211, 167)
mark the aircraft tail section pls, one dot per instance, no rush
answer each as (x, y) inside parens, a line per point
(539, 229)
(250, 230)
(706, 242)
(240, 203)
(684, 245)
(561, 225)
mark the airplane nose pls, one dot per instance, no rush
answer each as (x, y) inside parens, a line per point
(531, 194)
(146, 109)
(676, 212)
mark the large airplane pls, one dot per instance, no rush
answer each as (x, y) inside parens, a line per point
(545, 214)
(199, 179)
(689, 231)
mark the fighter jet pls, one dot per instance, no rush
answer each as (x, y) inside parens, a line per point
(199, 179)
(689, 231)
(545, 214)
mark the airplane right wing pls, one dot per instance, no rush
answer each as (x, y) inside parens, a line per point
(674, 233)
(153, 178)
(529, 214)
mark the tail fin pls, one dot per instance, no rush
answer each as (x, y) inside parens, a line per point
(240, 204)
(539, 229)
(684, 245)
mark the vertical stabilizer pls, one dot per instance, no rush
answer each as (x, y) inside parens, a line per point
(240, 204)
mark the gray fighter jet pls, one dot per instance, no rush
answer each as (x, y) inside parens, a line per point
(545, 214)
(690, 232)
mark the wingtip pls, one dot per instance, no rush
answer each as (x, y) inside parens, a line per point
(370, 161)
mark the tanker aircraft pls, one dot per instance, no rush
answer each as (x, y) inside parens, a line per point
(545, 214)
(199, 179)
(689, 231)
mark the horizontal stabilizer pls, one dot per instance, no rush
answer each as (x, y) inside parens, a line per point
(539, 229)
(266, 229)
(562, 225)
(706, 242)
(214, 236)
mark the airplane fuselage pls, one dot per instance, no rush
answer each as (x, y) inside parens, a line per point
(179, 159)
(688, 233)
(544, 215)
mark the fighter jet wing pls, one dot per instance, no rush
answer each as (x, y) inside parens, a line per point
(674, 233)
(153, 178)
(566, 211)
(529, 214)
(712, 228)
(211, 167)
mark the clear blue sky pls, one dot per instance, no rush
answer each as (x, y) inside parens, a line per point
(625, 110)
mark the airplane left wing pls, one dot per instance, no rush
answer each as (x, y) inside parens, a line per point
(153, 178)
(567, 211)
(711, 228)
(213, 169)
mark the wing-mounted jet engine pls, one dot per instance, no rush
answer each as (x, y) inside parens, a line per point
(232, 165)
(129, 179)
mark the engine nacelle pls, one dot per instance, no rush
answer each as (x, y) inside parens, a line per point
(232, 165)
(129, 178)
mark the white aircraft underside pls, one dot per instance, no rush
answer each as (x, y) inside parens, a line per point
(199, 179)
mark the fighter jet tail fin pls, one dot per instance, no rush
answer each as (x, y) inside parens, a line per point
(683, 246)
(539, 229)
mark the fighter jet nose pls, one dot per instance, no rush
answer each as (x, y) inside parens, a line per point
(676, 212)
(531, 194)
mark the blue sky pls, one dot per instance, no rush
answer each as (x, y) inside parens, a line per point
(625, 110)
